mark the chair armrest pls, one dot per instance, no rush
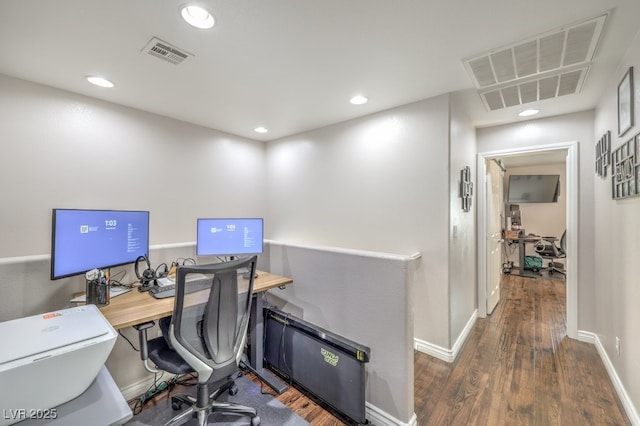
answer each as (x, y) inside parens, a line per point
(142, 338)
(144, 325)
(144, 348)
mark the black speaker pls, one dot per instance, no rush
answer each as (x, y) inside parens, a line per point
(148, 275)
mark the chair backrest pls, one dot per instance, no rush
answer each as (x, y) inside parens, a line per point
(211, 316)
(546, 248)
(563, 243)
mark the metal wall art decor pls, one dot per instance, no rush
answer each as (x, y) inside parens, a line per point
(603, 154)
(466, 188)
(624, 163)
(625, 102)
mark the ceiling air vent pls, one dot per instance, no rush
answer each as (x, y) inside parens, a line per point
(163, 50)
(552, 64)
(532, 90)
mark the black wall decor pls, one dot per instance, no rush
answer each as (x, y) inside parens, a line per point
(603, 154)
(624, 163)
(466, 188)
(625, 103)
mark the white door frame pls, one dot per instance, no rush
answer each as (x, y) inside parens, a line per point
(571, 220)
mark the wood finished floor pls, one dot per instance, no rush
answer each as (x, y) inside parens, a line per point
(306, 406)
(517, 367)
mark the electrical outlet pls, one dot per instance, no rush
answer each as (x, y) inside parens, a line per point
(617, 346)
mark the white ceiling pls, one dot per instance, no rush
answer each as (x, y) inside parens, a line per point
(292, 65)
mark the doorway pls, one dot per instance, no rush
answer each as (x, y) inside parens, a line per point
(484, 225)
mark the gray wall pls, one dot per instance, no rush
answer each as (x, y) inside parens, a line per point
(64, 150)
(462, 227)
(377, 183)
(617, 246)
(365, 297)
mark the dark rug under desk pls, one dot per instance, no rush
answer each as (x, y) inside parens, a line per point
(271, 411)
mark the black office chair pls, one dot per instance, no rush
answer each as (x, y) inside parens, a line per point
(548, 249)
(207, 335)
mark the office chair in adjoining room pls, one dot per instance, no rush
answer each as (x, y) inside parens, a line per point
(548, 249)
(207, 335)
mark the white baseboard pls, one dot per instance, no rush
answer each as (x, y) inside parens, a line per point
(433, 350)
(629, 408)
(138, 388)
(587, 337)
(377, 417)
(447, 355)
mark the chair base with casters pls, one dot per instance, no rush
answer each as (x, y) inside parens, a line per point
(556, 267)
(205, 402)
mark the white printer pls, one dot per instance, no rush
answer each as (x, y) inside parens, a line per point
(49, 359)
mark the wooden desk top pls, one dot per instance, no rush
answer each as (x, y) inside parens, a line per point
(532, 238)
(525, 239)
(136, 307)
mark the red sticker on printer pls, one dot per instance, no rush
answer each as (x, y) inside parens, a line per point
(51, 315)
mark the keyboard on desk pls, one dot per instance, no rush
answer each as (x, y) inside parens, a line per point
(162, 291)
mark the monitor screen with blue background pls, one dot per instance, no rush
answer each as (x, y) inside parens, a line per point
(229, 237)
(87, 239)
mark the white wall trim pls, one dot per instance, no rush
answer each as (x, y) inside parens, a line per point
(573, 178)
(481, 236)
(447, 355)
(172, 245)
(572, 224)
(41, 257)
(433, 350)
(416, 255)
(627, 403)
(457, 346)
(352, 252)
(24, 259)
(587, 337)
(378, 417)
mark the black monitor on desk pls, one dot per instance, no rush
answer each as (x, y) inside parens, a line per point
(229, 236)
(82, 240)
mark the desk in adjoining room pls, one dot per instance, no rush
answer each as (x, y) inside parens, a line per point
(522, 242)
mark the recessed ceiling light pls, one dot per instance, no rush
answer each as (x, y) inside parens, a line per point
(99, 81)
(261, 129)
(197, 16)
(359, 100)
(528, 112)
